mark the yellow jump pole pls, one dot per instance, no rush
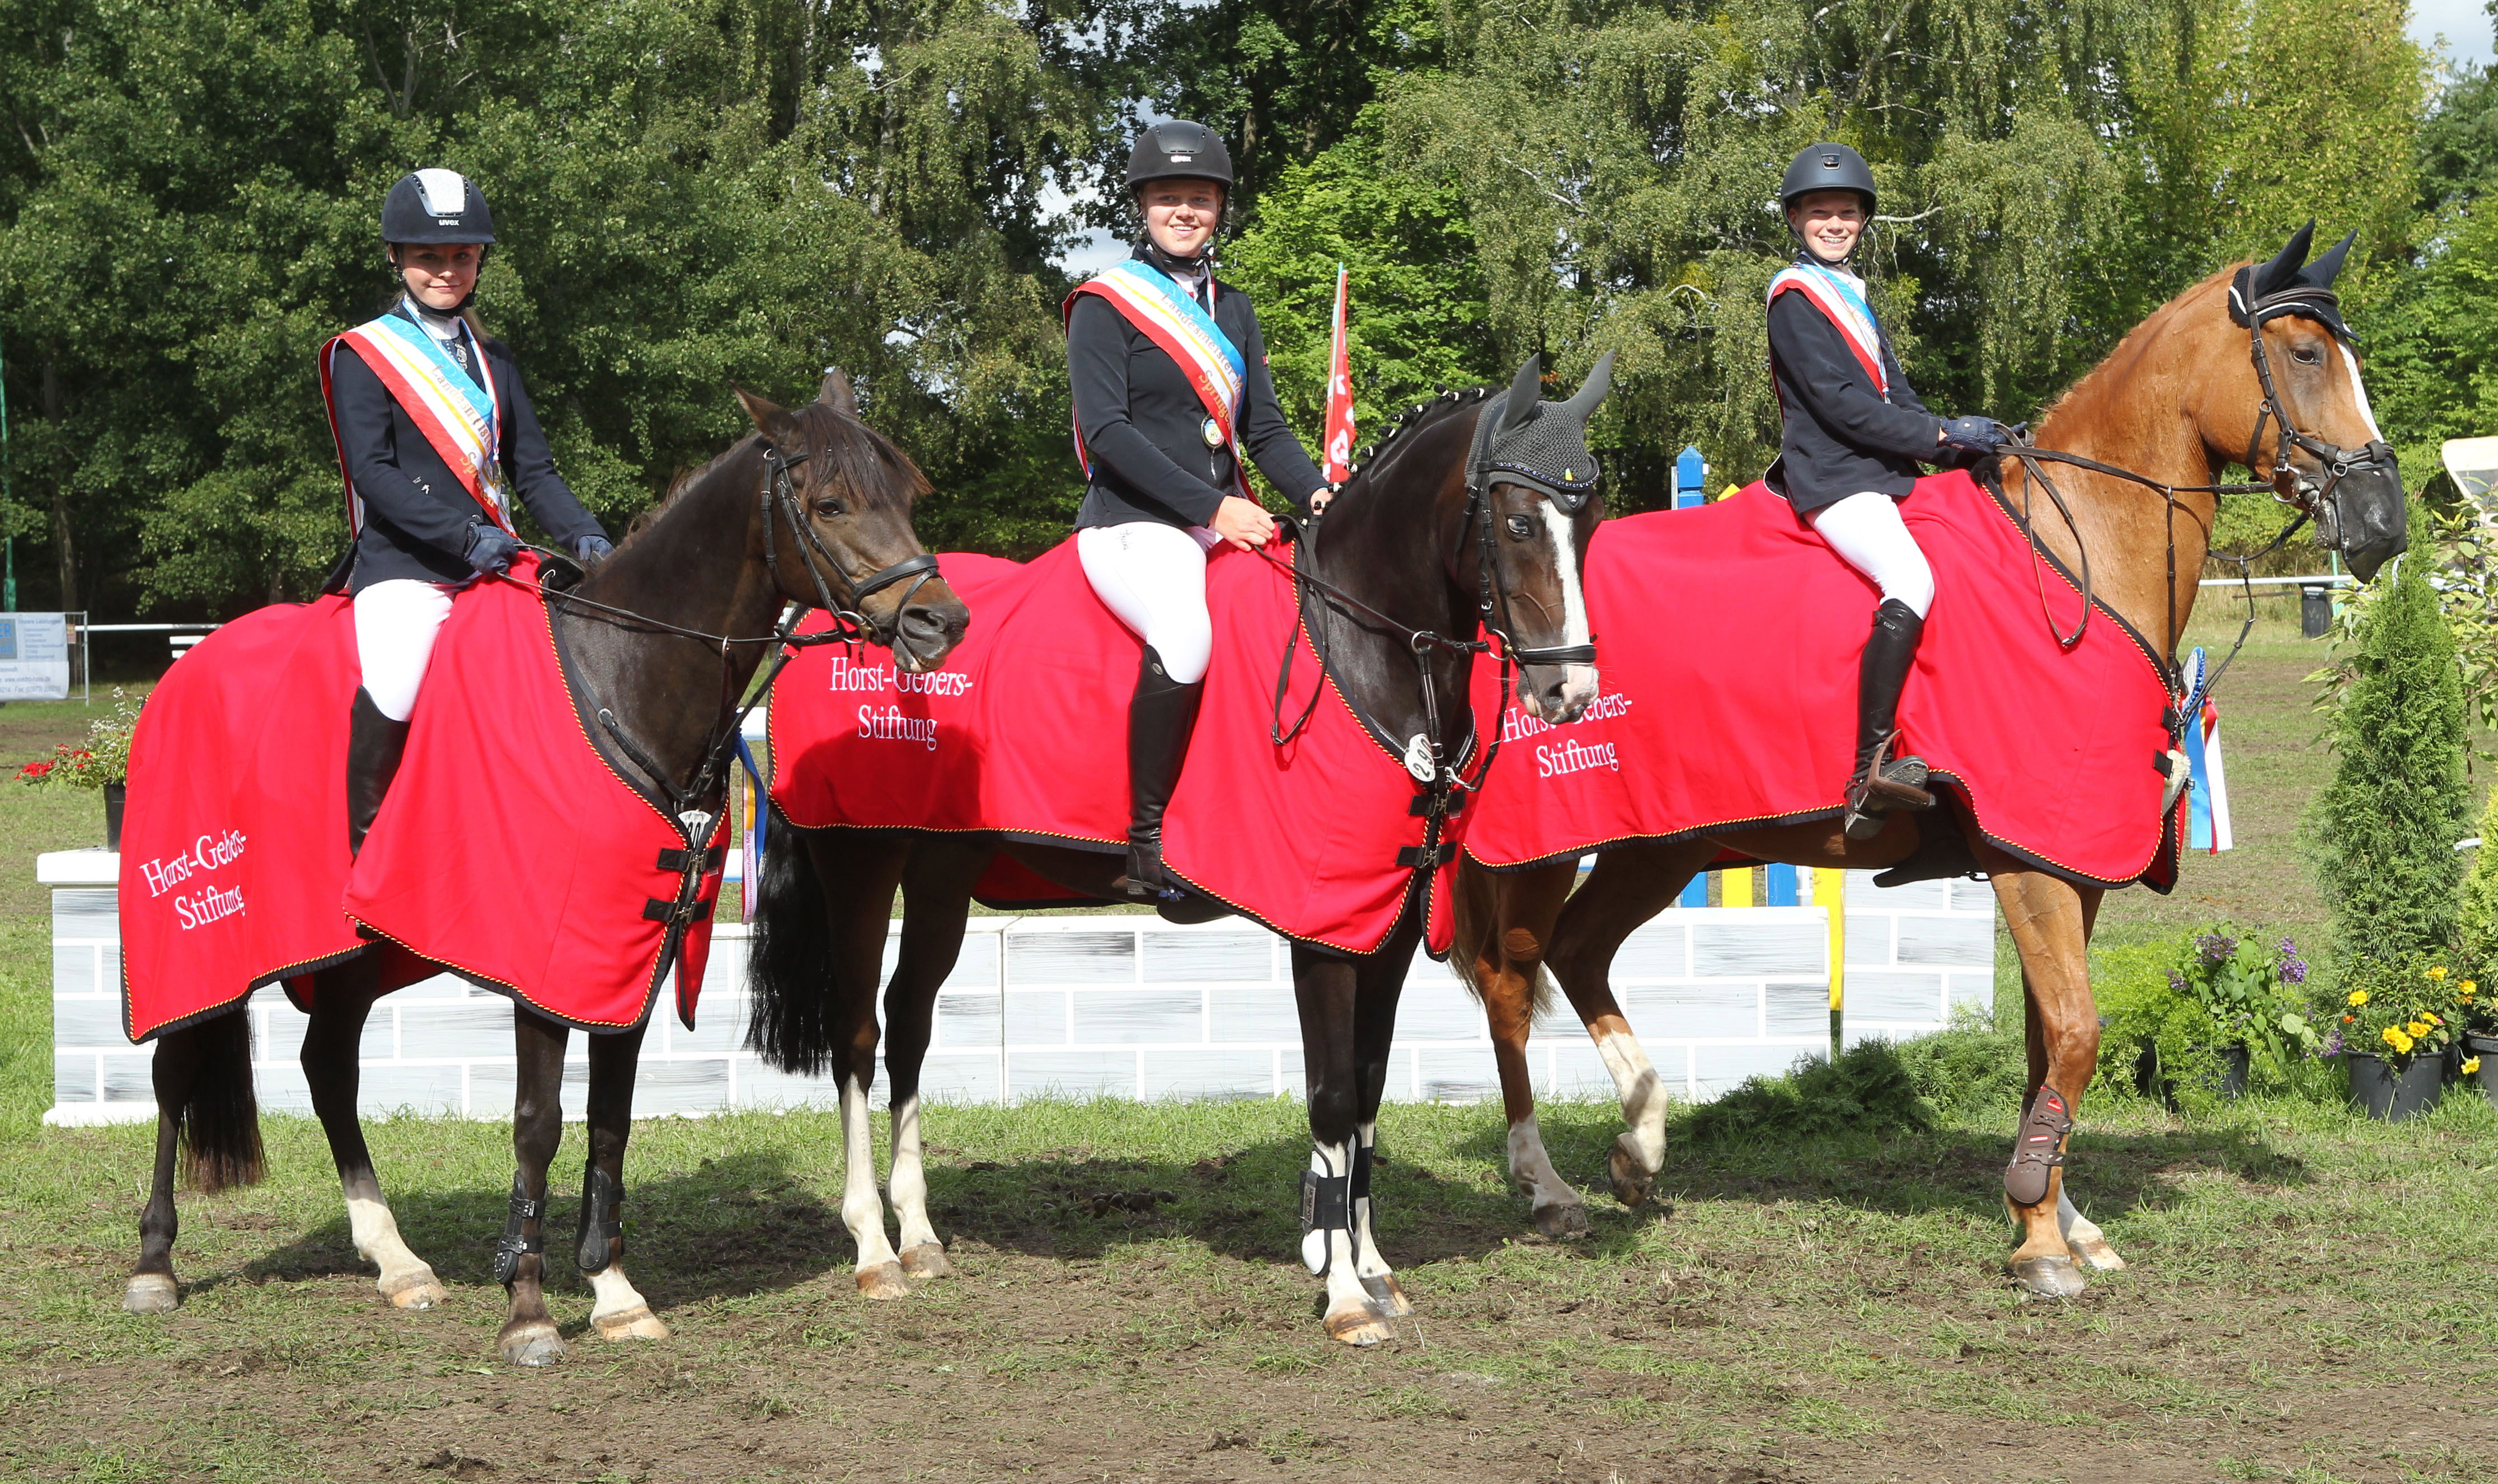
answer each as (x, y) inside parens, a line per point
(1830, 893)
(1735, 887)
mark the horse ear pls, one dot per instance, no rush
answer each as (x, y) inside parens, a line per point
(1525, 389)
(2279, 273)
(1583, 407)
(771, 419)
(2325, 270)
(836, 392)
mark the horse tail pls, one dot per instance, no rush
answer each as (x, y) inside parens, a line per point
(1474, 913)
(220, 1115)
(790, 959)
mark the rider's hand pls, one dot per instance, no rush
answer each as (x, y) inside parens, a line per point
(1973, 434)
(1242, 523)
(590, 550)
(1319, 496)
(491, 548)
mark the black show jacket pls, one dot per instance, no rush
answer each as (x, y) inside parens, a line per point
(417, 514)
(1839, 437)
(1143, 425)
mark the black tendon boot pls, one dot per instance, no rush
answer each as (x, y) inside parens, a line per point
(1160, 719)
(375, 746)
(1882, 783)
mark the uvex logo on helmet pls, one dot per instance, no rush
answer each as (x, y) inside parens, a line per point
(436, 205)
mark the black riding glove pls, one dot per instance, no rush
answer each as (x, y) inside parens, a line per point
(491, 548)
(1975, 435)
(590, 550)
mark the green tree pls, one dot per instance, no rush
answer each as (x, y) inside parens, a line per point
(2386, 824)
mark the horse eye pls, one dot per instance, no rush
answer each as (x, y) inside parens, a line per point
(2307, 355)
(1521, 528)
(829, 506)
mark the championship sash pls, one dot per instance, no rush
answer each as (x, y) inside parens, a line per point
(1146, 297)
(1842, 306)
(459, 417)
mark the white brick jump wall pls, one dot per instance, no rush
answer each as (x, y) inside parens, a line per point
(1124, 1006)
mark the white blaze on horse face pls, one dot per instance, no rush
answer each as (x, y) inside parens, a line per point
(862, 1209)
(910, 1181)
(1532, 1169)
(1578, 681)
(2359, 393)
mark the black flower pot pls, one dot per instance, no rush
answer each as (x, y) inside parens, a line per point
(2393, 1094)
(2231, 1083)
(2233, 1070)
(2487, 1049)
(115, 796)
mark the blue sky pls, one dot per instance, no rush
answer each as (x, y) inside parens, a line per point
(2463, 22)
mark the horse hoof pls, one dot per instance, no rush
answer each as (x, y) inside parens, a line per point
(1559, 1220)
(2052, 1277)
(1359, 1327)
(534, 1344)
(1388, 1295)
(635, 1323)
(883, 1281)
(152, 1293)
(1631, 1179)
(420, 1289)
(2097, 1256)
(927, 1261)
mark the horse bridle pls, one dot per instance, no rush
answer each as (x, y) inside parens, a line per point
(780, 494)
(2311, 493)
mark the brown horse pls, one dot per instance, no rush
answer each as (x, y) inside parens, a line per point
(734, 545)
(2182, 397)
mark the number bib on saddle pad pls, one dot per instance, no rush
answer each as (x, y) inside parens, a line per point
(508, 849)
(1731, 641)
(1024, 732)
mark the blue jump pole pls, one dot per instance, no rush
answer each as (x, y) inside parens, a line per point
(1690, 478)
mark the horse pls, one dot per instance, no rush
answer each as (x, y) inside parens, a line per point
(1410, 535)
(811, 505)
(2206, 381)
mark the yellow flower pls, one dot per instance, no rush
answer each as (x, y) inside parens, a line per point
(2471, 1064)
(2417, 1029)
(2469, 986)
(2359, 996)
(2430, 1016)
(2394, 1036)
(2436, 972)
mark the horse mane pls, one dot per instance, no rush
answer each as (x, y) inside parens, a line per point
(1422, 414)
(864, 462)
(2151, 327)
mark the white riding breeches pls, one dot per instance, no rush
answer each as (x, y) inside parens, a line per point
(1153, 578)
(1868, 536)
(396, 623)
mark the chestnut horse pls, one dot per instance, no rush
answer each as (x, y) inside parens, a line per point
(644, 637)
(1408, 539)
(2192, 389)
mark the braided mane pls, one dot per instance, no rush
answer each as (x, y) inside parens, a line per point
(1421, 414)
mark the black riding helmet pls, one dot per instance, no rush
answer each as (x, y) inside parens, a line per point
(1827, 166)
(436, 205)
(1178, 150)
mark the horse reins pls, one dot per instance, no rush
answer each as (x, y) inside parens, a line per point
(2314, 494)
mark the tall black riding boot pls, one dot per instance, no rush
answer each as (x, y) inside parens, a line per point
(1881, 782)
(1160, 719)
(374, 745)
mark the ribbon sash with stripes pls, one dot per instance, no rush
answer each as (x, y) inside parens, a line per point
(1146, 297)
(459, 418)
(1842, 306)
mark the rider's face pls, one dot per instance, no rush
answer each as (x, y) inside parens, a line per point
(1182, 215)
(1830, 223)
(439, 275)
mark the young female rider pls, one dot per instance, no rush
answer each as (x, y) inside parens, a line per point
(1853, 436)
(1170, 379)
(435, 433)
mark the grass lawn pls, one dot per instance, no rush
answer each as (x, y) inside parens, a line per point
(2309, 1298)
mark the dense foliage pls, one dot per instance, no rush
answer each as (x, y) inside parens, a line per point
(698, 192)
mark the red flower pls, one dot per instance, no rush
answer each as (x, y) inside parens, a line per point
(34, 770)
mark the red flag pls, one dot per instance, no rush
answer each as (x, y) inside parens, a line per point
(1338, 462)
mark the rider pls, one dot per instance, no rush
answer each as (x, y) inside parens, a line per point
(1169, 380)
(434, 433)
(1853, 435)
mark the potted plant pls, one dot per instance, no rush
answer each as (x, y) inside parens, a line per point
(2228, 1016)
(2398, 1017)
(100, 760)
(2477, 1009)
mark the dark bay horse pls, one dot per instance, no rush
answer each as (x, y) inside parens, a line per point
(1408, 539)
(2182, 397)
(840, 499)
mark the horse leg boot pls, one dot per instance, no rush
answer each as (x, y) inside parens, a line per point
(375, 744)
(1881, 782)
(529, 1337)
(1160, 719)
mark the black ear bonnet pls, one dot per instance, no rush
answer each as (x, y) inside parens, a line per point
(1541, 446)
(2290, 284)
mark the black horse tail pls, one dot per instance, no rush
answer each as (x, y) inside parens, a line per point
(790, 959)
(220, 1117)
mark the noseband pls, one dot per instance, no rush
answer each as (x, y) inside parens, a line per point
(780, 496)
(2312, 489)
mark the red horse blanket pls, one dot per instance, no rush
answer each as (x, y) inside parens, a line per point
(509, 850)
(1024, 732)
(1727, 640)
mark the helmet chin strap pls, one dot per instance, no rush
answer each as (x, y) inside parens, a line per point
(1172, 263)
